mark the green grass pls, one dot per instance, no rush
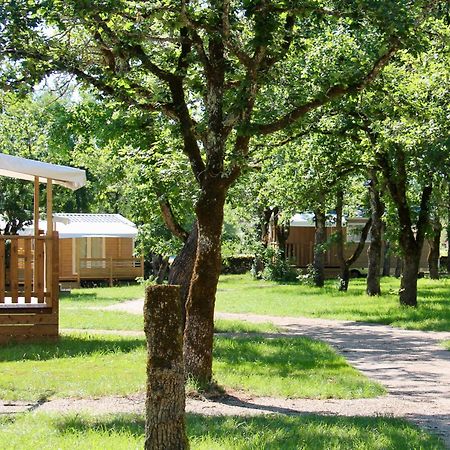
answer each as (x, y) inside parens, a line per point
(239, 326)
(88, 318)
(102, 296)
(90, 366)
(293, 367)
(242, 294)
(446, 345)
(68, 432)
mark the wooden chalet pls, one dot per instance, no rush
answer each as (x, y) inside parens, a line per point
(300, 243)
(96, 247)
(29, 265)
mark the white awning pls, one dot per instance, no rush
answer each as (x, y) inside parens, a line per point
(28, 169)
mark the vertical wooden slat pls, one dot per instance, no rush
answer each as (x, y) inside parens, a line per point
(111, 272)
(13, 270)
(28, 279)
(39, 261)
(2, 271)
(55, 279)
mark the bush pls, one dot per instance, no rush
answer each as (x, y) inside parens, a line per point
(277, 268)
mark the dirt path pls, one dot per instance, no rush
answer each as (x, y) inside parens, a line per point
(412, 365)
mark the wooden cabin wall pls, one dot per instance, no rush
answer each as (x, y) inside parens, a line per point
(300, 246)
(114, 248)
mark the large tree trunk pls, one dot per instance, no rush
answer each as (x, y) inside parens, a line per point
(165, 403)
(183, 267)
(199, 329)
(375, 247)
(408, 281)
(410, 243)
(319, 242)
(434, 253)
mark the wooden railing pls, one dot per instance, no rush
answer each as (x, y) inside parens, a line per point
(27, 270)
(110, 268)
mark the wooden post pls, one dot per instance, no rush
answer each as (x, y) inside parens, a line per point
(2, 270)
(49, 244)
(165, 426)
(36, 234)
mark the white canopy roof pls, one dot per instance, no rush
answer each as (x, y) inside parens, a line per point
(27, 169)
(88, 225)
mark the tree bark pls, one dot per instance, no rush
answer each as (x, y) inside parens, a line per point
(319, 242)
(408, 280)
(183, 266)
(165, 426)
(410, 243)
(434, 253)
(387, 259)
(399, 263)
(199, 329)
(375, 247)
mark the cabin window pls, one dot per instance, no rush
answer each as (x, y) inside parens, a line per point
(91, 252)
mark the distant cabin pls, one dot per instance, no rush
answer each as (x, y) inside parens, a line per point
(95, 247)
(300, 243)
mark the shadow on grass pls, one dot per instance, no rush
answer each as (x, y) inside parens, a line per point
(78, 297)
(280, 355)
(270, 432)
(70, 346)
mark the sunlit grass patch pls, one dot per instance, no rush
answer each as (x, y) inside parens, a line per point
(240, 326)
(95, 319)
(67, 432)
(242, 294)
(297, 367)
(103, 296)
(83, 365)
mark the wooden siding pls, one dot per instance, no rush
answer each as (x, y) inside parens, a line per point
(300, 248)
(118, 254)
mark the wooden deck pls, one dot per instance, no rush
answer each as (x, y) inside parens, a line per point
(29, 290)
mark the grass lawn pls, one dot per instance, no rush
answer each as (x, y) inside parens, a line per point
(102, 296)
(242, 294)
(446, 345)
(89, 366)
(48, 432)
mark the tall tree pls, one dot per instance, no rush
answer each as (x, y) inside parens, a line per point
(213, 67)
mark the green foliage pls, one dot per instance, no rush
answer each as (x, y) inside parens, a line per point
(276, 267)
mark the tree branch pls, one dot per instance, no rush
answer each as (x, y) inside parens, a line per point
(332, 93)
(169, 219)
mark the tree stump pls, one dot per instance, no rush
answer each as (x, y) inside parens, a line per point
(165, 427)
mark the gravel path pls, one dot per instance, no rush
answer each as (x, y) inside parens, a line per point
(412, 365)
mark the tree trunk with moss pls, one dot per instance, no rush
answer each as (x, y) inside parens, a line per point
(165, 426)
(199, 328)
